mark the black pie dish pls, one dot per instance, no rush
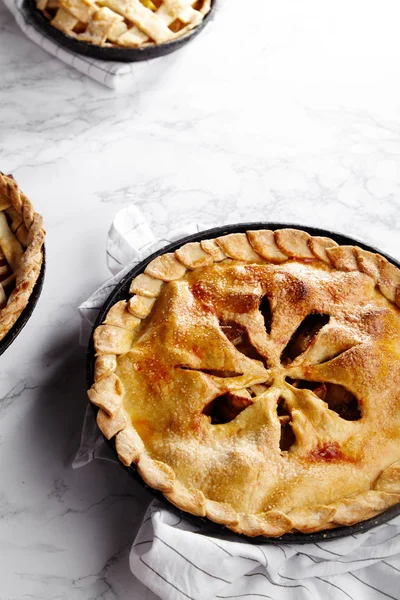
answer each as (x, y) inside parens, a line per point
(121, 292)
(111, 53)
(28, 310)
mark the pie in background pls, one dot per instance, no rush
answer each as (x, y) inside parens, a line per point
(125, 23)
(21, 252)
(255, 379)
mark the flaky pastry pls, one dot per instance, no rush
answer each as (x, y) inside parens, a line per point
(125, 23)
(255, 379)
(21, 243)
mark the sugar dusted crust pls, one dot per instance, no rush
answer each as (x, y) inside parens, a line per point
(253, 378)
(27, 228)
(125, 23)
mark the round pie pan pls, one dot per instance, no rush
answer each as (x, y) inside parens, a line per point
(117, 54)
(121, 292)
(28, 310)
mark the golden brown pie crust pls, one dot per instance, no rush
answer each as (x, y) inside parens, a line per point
(254, 379)
(125, 23)
(21, 251)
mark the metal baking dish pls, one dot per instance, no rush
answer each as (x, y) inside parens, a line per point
(121, 292)
(28, 310)
(111, 53)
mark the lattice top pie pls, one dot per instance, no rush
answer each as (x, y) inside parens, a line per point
(126, 23)
(255, 379)
(21, 242)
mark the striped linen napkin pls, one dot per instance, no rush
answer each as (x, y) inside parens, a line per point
(179, 560)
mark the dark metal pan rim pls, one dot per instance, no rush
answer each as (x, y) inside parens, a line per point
(120, 292)
(28, 310)
(112, 53)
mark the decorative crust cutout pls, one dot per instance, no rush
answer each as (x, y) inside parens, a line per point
(129, 446)
(140, 306)
(144, 285)
(193, 256)
(105, 365)
(107, 394)
(21, 244)
(368, 263)
(114, 339)
(192, 501)
(389, 480)
(119, 315)
(212, 248)
(110, 426)
(311, 518)
(389, 279)
(223, 513)
(263, 242)
(272, 523)
(363, 506)
(238, 247)
(156, 474)
(343, 258)
(294, 243)
(109, 339)
(319, 245)
(166, 268)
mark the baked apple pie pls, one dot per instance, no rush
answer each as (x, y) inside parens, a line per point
(255, 379)
(125, 23)
(21, 256)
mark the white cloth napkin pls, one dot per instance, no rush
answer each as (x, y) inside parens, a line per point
(115, 75)
(179, 560)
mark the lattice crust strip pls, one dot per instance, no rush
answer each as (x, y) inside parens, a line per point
(21, 242)
(114, 338)
(125, 23)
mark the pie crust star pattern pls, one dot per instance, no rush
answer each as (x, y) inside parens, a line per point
(21, 243)
(254, 379)
(125, 23)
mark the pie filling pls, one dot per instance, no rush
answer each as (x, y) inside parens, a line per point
(239, 337)
(21, 241)
(11, 251)
(287, 438)
(342, 401)
(12, 248)
(227, 407)
(6, 274)
(303, 336)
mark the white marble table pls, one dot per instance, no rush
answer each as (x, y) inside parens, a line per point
(298, 121)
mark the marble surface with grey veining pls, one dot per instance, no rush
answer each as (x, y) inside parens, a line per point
(288, 113)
